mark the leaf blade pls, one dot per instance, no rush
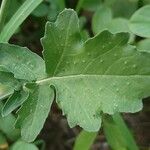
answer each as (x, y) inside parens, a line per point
(86, 69)
(23, 146)
(33, 113)
(140, 22)
(22, 13)
(7, 85)
(17, 99)
(24, 63)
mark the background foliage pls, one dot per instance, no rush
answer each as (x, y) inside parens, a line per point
(24, 25)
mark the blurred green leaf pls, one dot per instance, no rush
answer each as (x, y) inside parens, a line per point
(101, 19)
(117, 133)
(3, 142)
(41, 10)
(140, 22)
(84, 140)
(144, 45)
(118, 25)
(84, 34)
(21, 145)
(41, 144)
(146, 2)
(7, 126)
(91, 5)
(123, 8)
(55, 8)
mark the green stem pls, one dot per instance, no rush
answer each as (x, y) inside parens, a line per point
(3, 12)
(22, 13)
(85, 140)
(117, 133)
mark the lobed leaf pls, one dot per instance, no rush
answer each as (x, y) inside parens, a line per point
(102, 75)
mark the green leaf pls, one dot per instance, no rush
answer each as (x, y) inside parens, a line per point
(85, 140)
(7, 126)
(118, 25)
(3, 142)
(55, 7)
(3, 12)
(33, 113)
(23, 63)
(16, 20)
(41, 10)
(21, 145)
(101, 19)
(68, 38)
(16, 100)
(123, 8)
(89, 5)
(7, 84)
(140, 22)
(117, 133)
(102, 75)
(146, 2)
(144, 45)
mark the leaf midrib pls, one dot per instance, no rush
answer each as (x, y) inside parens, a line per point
(49, 80)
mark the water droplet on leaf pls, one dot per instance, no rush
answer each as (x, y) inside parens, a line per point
(101, 60)
(128, 83)
(134, 66)
(117, 90)
(125, 62)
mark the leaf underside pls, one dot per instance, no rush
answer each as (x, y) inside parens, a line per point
(102, 75)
